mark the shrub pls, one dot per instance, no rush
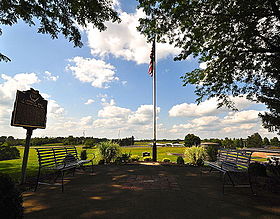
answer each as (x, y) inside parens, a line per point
(108, 151)
(195, 155)
(166, 160)
(10, 198)
(212, 152)
(83, 154)
(101, 162)
(125, 157)
(257, 169)
(180, 160)
(7, 153)
(118, 160)
(148, 158)
(135, 157)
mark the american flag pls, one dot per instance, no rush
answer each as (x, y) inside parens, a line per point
(152, 60)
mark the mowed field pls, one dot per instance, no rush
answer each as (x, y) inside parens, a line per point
(13, 167)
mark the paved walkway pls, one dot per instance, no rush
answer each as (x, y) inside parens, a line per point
(139, 191)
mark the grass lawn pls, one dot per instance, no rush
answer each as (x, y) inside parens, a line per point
(13, 167)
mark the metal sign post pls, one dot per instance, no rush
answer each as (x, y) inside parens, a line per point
(25, 155)
(30, 112)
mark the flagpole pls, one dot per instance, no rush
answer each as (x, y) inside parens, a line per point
(155, 106)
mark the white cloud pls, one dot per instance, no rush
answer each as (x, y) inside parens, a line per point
(86, 121)
(208, 107)
(203, 65)
(114, 112)
(21, 81)
(89, 101)
(124, 41)
(54, 109)
(143, 115)
(50, 77)
(96, 72)
(248, 116)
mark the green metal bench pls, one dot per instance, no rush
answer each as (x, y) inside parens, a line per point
(59, 160)
(230, 162)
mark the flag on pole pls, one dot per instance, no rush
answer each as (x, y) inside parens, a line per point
(152, 60)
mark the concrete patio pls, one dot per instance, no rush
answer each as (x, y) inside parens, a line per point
(148, 191)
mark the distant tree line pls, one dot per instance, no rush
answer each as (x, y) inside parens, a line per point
(70, 140)
(124, 141)
(253, 141)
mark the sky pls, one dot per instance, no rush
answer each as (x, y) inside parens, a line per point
(103, 89)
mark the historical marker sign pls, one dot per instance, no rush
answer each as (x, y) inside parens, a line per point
(30, 110)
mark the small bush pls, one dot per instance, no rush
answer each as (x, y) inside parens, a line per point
(101, 162)
(83, 155)
(135, 158)
(118, 160)
(125, 157)
(166, 160)
(149, 158)
(180, 160)
(212, 152)
(257, 169)
(108, 151)
(10, 198)
(8, 153)
(195, 155)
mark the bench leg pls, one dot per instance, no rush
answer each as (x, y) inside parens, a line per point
(251, 184)
(38, 176)
(224, 180)
(92, 166)
(62, 176)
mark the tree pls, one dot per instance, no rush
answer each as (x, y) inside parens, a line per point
(254, 141)
(191, 139)
(228, 143)
(58, 17)
(275, 142)
(239, 40)
(266, 141)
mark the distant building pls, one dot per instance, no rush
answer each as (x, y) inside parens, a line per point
(177, 145)
(208, 144)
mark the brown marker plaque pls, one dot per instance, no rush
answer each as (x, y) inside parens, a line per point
(30, 110)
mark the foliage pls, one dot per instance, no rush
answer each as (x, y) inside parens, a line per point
(228, 143)
(135, 157)
(7, 153)
(257, 169)
(191, 140)
(254, 141)
(212, 152)
(166, 160)
(124, 141)
(266, 141)
(10, 198)
(108, 151)
(275, 142)
(58, 17)
(195, 155)
(273, 171)
(238, 40)
(180, 160)
(124, 158)
(89, 143)
(83, 155)
(148, 158)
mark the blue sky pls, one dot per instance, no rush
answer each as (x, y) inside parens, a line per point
(104, 89)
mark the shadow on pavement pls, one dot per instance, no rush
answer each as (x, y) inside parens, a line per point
(139, 191)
